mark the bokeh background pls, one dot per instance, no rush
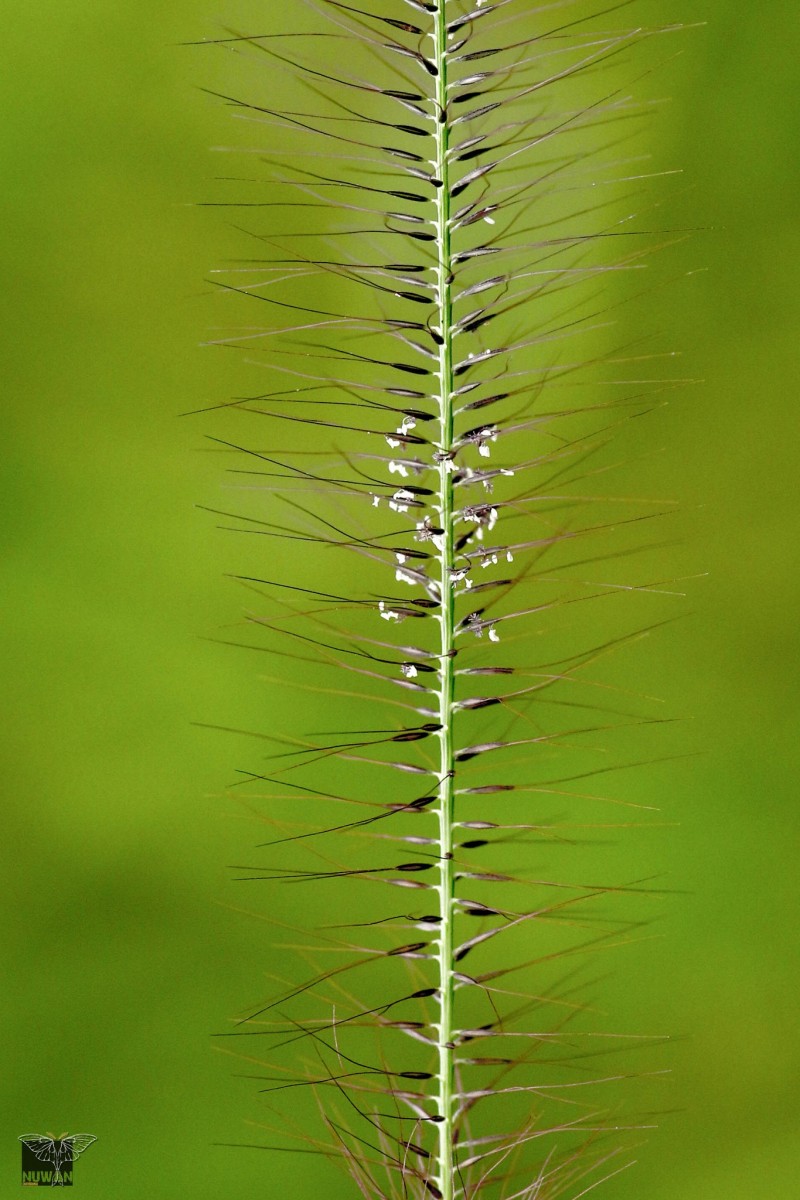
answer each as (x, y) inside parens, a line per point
(121, 954)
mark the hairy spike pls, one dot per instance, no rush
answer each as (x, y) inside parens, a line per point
(452, 1051)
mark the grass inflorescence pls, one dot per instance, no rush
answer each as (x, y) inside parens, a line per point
(438, 210)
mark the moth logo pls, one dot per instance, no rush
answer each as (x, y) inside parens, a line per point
(47, 1160)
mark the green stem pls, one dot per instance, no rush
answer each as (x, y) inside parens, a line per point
(445, 1175)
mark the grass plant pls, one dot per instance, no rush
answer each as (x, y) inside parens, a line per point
(447, 216)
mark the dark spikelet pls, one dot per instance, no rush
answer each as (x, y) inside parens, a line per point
(434, 206)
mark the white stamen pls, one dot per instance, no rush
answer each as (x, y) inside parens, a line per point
(400, 500)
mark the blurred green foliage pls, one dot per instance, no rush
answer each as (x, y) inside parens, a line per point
(120, 957)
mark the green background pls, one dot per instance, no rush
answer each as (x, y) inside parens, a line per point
(120, 957)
